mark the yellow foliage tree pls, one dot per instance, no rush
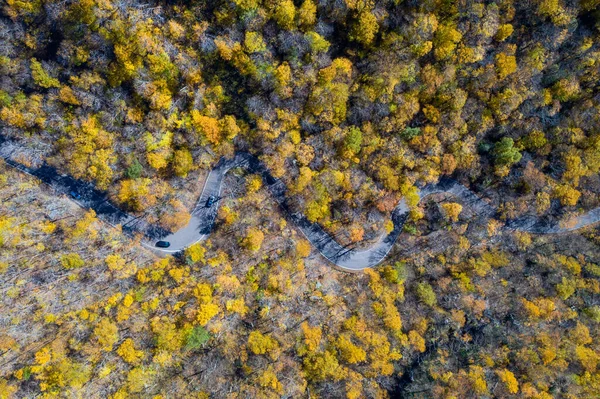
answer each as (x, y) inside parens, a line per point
(195, 253)
(323, 366)
(206, 312)
(207, 127)
(509, 380)
(452, 211)
(128, 352)
(364, 28)
(261, 344)
(505, 65)
(106, 333)
(254, 239)
(41, 77)
(350, 352)
(307, 13)
(303, 248)
(285, 13)
(268, 379)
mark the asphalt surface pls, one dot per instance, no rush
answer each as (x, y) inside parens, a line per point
(203, 217)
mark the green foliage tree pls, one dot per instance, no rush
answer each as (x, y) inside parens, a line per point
(353, 140)
(505, 153)
(426, 294)
(197, 338)
(135, 170)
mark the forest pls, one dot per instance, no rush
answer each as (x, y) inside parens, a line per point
(353, 105)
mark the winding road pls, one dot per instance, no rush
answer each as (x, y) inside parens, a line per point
(203, 218)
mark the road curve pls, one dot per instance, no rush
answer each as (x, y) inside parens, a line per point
(203, 218)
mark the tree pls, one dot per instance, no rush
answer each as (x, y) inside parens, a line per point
(304, 179)
(452, 211)
(167, 336)
(159, 95)
(312, 339)
(229, 127)
(196, 338)
(207, 127)
(548, 7)
(317, 43)
(72, 261)
(566, 288)
(303, 248)
(67, 96)
(254, 239)
(504, 31)
(246, 5)
(254, 42)
(509, 380)
(285, 13)
(307, 14)
(138, 194)
(445, 40)
(195, 253)
(88, 150)
(206, 312)
(328, 99)
(416, 340)
(349, 352)
(505, 153)
(410, 133)
(353, 140)
(476, 377)
(253, 184)
(535, 140)
(107, 334)
(505, 65)
(357, 233)
(128, 352)
(448, 164)
(261, 344)
(566, 89)
(536, 57)
(364, 28)
(6, 390)
(135, 170)
(587, 357)
(542, 202)
(316, 210)
(283, 76)
(139, 378)
(426, 294)
(305, 154)
(322, 366)
(574, 168)
(268, 379)
(41, 77)
(183, 162)
(567, 195)
(159, 159)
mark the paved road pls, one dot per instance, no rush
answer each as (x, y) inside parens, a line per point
(203, 218)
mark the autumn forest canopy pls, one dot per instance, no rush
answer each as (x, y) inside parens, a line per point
(353, 104)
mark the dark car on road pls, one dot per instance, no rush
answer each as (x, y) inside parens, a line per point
(210, 201)
(75, 195)
(163, 244)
